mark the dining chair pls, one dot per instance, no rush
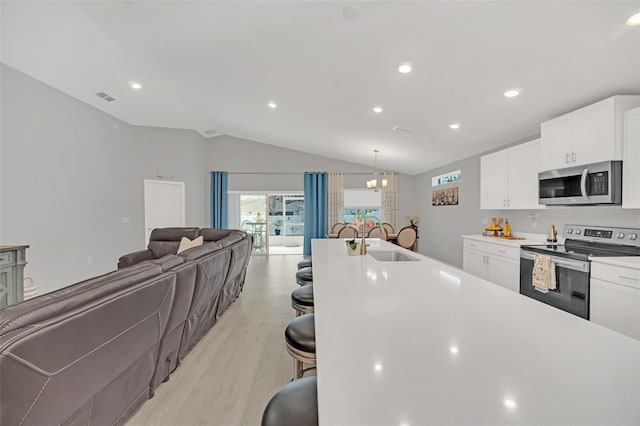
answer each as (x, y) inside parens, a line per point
(337, 227)
(407, 238)
(378, 232)
(389, 228)
(348, 232)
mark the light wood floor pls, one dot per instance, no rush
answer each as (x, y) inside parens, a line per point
(231, 374)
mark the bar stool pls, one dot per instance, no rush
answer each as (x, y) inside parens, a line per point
(296, 404)
(300, 341)
(304, 263)
(302, 300)
(304, 276)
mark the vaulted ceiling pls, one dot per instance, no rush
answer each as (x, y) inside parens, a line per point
(214, 67)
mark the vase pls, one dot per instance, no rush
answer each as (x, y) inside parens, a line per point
(355, 251)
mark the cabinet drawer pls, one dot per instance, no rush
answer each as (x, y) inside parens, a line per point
(494, 249)
(616, 274)
(7, 258)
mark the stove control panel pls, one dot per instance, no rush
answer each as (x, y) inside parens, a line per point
(602, 234)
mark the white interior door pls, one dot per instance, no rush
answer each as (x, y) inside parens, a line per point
(164, 205)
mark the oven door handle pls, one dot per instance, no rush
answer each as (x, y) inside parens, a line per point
(576, 265)
(583, 183)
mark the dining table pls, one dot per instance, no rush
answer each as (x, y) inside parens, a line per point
(403, 339)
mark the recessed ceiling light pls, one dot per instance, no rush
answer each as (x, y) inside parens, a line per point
(272, 105)
(512, 93)
(454, 350)
(377, 109)
(634, 20)
(510, 403)
(405, 68)
(135, 85)
(454, 126)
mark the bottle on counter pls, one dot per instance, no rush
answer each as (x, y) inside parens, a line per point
(507, 228)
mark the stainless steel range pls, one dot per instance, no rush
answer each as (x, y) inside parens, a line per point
(572, 263)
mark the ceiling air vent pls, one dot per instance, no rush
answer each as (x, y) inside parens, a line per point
(398, 128)
(105, 96)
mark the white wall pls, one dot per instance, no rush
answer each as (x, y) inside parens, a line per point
(72, 180)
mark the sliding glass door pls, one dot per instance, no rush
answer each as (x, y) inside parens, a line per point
(254, 219)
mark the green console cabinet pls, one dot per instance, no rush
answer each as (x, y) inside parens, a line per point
(12, 263)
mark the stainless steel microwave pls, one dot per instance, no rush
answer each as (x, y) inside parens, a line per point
(590, 184)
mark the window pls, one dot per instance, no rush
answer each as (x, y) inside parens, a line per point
(446, 178)
(362, 203)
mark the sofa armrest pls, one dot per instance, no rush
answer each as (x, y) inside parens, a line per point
(135, 257)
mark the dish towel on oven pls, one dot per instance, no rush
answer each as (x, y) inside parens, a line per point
(544, 273)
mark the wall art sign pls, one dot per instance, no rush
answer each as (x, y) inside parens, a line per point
(445, 197)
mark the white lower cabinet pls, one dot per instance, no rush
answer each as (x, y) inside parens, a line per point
(615, 298)
(493, 262)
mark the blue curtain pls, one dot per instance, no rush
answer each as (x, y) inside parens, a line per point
(316, 201)
(219, 200)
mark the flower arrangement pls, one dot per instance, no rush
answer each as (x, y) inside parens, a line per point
(413, 220)
(353, 244)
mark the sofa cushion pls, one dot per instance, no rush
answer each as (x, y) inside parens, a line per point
(168, 262)
(164, 241)
(186, 244)
(52, 304)
(212, 234)
(196, 252)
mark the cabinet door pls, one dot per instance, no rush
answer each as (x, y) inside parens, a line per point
(595, 133)
(556, 146)
(493, 181)
(474, 263)
(505, 272)
(616, 307)
(631, 160)
(6, 287)
(524, 164)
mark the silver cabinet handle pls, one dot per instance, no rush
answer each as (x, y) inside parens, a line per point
(567, 158)
(472, 245)
(573, 157)
(628, 278)
(502, 251)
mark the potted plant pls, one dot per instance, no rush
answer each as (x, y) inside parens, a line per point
(278, 223)
(353, 247)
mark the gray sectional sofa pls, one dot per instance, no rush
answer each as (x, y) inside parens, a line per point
(93, 352)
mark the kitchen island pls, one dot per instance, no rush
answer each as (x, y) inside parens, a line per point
(419, 342)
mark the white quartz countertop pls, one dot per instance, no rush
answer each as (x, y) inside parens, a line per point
(632, 262)
(423, 343)
(530, 239)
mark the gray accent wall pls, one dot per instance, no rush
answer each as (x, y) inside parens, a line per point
(441, 227)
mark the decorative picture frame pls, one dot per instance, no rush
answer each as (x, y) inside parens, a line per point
(445, 196)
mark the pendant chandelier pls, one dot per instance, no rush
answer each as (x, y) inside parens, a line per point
(374, 183)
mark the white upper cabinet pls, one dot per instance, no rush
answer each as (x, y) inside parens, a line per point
(523, 166)
(557, 143)
(588, 135)
(493, 181)
(509, 178)
(631, 160)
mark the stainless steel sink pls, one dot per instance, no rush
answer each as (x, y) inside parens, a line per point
(391, 256)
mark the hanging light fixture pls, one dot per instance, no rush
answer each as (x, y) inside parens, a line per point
(373, 183)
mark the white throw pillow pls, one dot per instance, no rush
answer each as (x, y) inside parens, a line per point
(186, 244)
